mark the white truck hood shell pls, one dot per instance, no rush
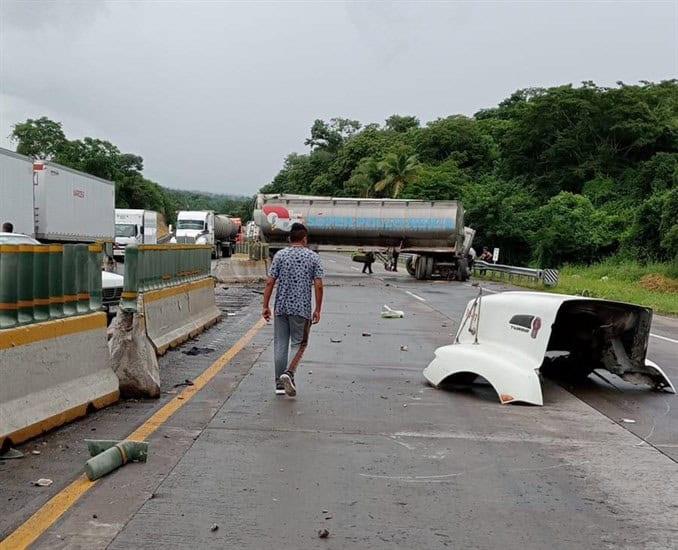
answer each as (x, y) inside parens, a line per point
(506, 338)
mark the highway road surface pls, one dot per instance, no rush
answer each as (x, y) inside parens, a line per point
(367, 450)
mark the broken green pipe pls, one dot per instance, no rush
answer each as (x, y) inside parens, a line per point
(108, 455)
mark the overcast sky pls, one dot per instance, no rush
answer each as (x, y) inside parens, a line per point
(214, 94)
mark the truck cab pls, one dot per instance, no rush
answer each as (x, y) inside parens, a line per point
(133, 226)
(195, 227)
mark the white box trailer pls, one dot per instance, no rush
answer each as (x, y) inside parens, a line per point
(16, 191)
(72, 206)
(134, 226)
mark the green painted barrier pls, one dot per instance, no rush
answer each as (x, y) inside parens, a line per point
(43, 282)
(156, 266)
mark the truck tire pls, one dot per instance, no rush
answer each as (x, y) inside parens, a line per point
(410, 265)
(462, 270)
(226, 252)
(429, 267)
(420, 268)
(216, 253)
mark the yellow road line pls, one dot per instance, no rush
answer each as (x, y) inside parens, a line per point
(28, 532)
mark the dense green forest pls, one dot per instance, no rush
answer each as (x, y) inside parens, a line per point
(45, 139)
(550, 175)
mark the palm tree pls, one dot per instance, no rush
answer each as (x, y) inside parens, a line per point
(363, 178)
(399, 170)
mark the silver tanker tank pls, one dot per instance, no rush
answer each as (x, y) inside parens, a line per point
(225, 228)
(433, 230)
(363, 222)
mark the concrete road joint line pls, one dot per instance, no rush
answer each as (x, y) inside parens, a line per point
(664, 338)
(415, 296)
(50, 512)
(443, 478)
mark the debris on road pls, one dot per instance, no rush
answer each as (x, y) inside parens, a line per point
(133, 356)
(198, 351)
(366, 334)
(109, 455)
(323, 533)
(628, 421)
(335, 340)
(43, 482)
(388, 313)
(11, 454)
(214, 527)
(404, 348)
(36, 452)
(186, 382)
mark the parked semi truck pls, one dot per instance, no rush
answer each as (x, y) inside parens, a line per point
(134, 226)
(432, 233)
(53, 203)
(206, 227)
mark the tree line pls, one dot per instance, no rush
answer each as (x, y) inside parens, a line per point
(45, 139)
(550, 175)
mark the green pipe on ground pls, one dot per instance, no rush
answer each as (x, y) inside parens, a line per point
(109, 455)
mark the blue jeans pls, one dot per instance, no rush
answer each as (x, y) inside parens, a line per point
(290, 333)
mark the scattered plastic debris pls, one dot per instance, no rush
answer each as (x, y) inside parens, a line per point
(366, 334)
(198, 351)
(36, 453)
(214, 527)
(388, 313)
(323, 533)
(335, 340)
(628, 421)
(186, 382)
(43, 482)
(404, 348)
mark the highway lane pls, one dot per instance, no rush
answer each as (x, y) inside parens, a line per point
(382, 460)
(368, 450)
(655, 414)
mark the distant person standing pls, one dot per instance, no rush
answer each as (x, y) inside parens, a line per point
(8, 227)
(296, 270)
(367, 264)
(395, 260)
(486, 255)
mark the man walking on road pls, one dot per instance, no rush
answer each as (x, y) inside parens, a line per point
(295, 269)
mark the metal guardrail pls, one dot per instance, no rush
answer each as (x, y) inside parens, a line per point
(156, 266)
(44, 282)
(549, 277)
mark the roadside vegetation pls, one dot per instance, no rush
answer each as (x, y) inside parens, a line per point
(651, 284)
(45, 139)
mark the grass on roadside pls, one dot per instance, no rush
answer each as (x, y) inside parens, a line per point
(652, 285)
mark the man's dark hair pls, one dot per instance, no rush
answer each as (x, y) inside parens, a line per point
(8, 227)
(297, 232)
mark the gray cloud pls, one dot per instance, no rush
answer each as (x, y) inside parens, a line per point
(213, 95)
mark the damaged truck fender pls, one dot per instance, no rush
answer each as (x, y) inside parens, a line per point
(512, 380)
(510, 338)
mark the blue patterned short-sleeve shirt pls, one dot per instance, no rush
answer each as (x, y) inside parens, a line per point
(295, 268)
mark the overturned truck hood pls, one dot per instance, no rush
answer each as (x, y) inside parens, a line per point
(509, 338)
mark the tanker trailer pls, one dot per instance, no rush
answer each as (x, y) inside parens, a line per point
(206, 227)
(432, 232)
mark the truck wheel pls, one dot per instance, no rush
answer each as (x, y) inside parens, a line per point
(429, 267)
(226, 252)
(420, 268)
(462, 270)
(410, 265)
(216, 253)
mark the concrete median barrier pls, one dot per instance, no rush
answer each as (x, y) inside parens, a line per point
(241, 270)
(52, 373)
(175, 314)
